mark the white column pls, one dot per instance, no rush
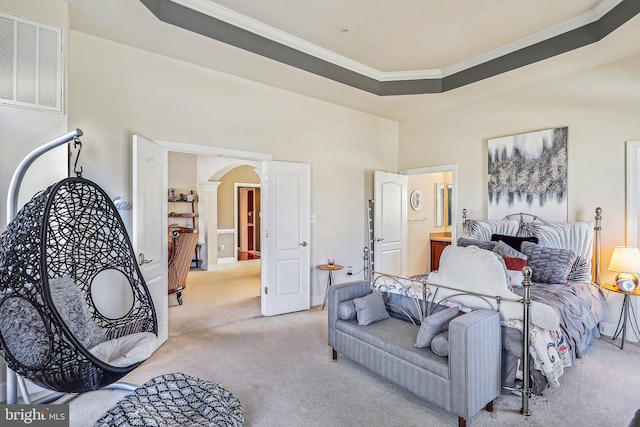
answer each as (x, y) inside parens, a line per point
(209, 223)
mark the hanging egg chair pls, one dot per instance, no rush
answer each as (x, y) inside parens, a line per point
(65, 256)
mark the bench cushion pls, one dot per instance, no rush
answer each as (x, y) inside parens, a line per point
(397, 337)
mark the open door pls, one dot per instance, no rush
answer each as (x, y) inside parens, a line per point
(390, 222)
(285, 217)
(150, 223)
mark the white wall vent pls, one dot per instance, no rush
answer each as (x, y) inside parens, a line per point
(30, 64)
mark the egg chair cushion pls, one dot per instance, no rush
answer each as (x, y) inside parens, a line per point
(127, 350)
(74, 310)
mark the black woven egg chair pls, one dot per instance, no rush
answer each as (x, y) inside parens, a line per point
(71, 230)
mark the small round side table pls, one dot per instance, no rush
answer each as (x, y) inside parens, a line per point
(624, 313)
(330, 269)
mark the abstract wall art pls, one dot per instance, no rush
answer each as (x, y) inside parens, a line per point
(528, 173)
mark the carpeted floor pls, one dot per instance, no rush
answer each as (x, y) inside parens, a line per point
(281, 370)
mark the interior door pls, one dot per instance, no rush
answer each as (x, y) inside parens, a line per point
(285, 216)
(150, 162)
(390, 223)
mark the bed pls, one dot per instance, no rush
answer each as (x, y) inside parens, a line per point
(559, 311)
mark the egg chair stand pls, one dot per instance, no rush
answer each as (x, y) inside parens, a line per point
(50, 253)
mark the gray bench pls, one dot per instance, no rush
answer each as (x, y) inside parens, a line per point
(462, 383)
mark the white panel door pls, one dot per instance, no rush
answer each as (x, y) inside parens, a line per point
(285, 209)
(390, 223)
(150, 162)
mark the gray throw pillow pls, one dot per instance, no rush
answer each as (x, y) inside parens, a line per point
(347, 310)
(433, 325)
(505, 250)
(464, 241)
(548, 265)
(74, 310)
(370, 308)
(440, 344)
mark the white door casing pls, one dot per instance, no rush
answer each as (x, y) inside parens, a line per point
(150, 163)
(390, 223)
(285, 226)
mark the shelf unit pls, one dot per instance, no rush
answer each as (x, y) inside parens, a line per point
(183, 216)
(186, 216)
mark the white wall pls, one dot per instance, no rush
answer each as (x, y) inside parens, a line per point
(601, 107)
(22, 129)
(116, 91)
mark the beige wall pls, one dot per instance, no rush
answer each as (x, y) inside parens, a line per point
(116, 91)
(601, 107)
(245, 174)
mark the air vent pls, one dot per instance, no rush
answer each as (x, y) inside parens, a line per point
(30, 64)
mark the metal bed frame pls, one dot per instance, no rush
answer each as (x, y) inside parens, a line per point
(431, 297)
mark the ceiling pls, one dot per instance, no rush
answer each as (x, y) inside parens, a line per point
(443, 51)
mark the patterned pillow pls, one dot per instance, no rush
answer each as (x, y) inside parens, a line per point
(548, 265)
(576, 236)
(505, 250)
(514, 263)
(464, 241)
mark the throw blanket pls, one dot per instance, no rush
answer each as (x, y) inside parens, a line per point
(580, 307)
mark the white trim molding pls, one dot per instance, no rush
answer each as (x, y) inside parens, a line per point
(214, 10)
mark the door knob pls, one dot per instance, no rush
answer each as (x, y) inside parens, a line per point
(303, 244)
(143, 261)
(379, 239)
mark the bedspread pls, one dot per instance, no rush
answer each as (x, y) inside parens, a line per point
(581, 306)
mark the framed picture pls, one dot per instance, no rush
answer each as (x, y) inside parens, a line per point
(528, 173)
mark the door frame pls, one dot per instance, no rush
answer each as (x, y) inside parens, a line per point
(236, 226)
(453, 168)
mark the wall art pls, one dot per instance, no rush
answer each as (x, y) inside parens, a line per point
(528, 173)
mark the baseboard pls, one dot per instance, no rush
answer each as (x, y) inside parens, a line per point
(317, 300)
(213, 267)
(609, 330)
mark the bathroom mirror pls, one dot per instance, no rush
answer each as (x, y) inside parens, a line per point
(443, 204)
(439, 204)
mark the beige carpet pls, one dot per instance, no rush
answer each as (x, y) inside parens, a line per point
(281, 370)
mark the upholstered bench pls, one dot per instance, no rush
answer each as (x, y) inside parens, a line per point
(175, 400)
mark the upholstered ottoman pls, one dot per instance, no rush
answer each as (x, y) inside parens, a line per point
(176, 400)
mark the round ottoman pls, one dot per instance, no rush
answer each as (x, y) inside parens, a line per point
(176, 400)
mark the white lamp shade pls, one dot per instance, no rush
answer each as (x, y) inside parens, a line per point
(625, 259)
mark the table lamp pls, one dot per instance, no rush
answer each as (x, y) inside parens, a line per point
(626, 261)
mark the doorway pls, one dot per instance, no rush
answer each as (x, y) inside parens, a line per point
(247, 205)
(432, 222)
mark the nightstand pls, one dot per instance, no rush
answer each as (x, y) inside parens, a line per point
(624, 313)
(330, 269)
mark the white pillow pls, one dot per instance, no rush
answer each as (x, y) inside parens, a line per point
(127, 350)
(477, 270)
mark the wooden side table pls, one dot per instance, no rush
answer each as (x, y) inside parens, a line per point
(624, 313)
(330, 269)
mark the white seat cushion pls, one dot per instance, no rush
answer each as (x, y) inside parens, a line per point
(127, 350)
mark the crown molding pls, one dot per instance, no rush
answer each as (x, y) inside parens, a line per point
(217, 22)
(210, 8)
